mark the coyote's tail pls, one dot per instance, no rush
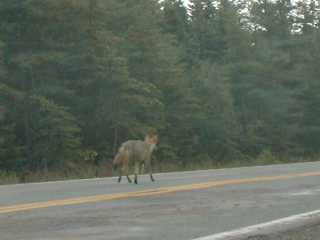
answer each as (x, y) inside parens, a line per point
(121, 159)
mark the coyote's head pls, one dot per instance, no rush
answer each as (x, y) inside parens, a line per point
(152, 139)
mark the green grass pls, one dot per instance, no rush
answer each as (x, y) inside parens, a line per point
(266, 158)
(8, 178)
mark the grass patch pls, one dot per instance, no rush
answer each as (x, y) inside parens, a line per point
(89, 171)
(8, 178)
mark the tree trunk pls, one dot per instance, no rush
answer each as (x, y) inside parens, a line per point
(115, 140)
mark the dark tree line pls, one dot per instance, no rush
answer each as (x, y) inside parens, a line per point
(219, 80)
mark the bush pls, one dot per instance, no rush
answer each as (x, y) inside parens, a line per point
(267, 157)
(8, 178)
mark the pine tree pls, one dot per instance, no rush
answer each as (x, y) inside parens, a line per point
(204, 43)
(175, 18)
(37, 72)
(308, 61)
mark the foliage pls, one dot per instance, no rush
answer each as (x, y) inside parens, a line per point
(219, 80)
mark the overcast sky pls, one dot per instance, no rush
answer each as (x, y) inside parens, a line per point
(186, 1)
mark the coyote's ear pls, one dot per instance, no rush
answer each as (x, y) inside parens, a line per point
(152, 138)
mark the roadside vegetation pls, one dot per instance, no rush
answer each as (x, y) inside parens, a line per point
(223, 82)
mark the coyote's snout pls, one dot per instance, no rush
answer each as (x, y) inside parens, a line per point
(135, 153)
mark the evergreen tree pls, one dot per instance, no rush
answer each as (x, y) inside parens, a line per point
(204, 41)
(37, 72)
(218, 79)
(175, 19)
(307, 63)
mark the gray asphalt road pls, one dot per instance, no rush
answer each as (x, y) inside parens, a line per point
(191, 213)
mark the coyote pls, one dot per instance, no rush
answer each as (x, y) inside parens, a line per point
(135, 153)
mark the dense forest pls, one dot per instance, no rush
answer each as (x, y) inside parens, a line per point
(218, 80)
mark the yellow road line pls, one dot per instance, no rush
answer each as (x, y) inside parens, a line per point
(150, 192)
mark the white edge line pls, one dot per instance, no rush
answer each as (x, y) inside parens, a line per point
(274, 227)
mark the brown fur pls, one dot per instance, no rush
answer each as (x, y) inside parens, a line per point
(137, 153)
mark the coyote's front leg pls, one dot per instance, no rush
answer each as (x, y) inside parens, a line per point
(136, 171)
(126, 170)
(149, 169)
